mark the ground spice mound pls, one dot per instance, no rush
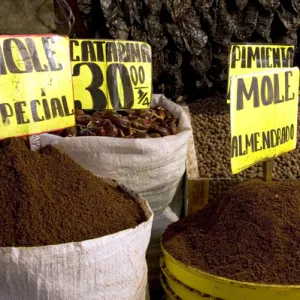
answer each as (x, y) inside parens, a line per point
(46, 199)
(251, 233)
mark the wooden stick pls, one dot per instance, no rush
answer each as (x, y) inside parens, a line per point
(267, 170)
(198, 192)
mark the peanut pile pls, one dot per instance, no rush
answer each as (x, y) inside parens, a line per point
(211, 127)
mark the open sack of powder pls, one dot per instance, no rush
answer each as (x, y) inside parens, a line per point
(65, 233)
(153, 168)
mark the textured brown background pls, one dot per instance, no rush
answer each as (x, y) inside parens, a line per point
(190, 38)
(19, 16)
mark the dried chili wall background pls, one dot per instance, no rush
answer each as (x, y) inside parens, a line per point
(190, 38)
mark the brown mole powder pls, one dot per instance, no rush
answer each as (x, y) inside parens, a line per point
(46, 199)
(251, 233)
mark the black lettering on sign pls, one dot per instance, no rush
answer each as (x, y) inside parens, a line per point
(123, 52)
(2, 63)
(88, 51)
(56, 108)
(266, 141)
(262, 56)
(50, 54)
(117, 53)
(111, 75)
(243, 61)
(134, 75)
(59, 107)
(66, 107)
(20, 112)
(266, 95)
(287, 57)
(6, 112)
(46, 109)
(287, 86)
(257, 141)
(268, 57)
(12, 66)
(98, 96)
(253, 56)
(141, 74)
(242, 91)
(276, 58)
(269, 91)
(137, 76)
(20, 57)
(235, 56)
(135, 52)
(34, 56)
(73, 44)
(111, 52)
(277, 97)
(100, 52)
(146, 53)
(33, 106)
(249, 143)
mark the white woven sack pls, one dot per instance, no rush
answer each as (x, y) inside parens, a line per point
(107, 268)
(160, 223)
(150, 167)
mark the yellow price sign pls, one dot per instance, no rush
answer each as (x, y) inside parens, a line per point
(36, 92)
(255, 58)
(264, 112)
(111, 74)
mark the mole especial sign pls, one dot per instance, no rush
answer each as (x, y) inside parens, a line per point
(36, 92)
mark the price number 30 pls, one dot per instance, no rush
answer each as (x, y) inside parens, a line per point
(129, 78)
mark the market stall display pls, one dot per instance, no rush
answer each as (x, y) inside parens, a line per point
(58, 219)
(70, 229)
(249, 236)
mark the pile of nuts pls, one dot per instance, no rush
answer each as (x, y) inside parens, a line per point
(211, 127)
(129, 124)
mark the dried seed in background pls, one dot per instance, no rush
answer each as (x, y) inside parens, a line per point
(203, 5)
(201, 63)
(209, 23)
(264, 23)
(291, 21)
(154, 6)
(241, 4)
(114, 19)
(225, 25)
(175, 35)
(194, 37)
(296, 5)
(246, 22)
(270, 4)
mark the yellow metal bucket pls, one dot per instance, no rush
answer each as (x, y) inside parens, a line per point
(226, 289)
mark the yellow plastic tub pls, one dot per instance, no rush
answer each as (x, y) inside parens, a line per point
(227, 289)
(169, 294)
(175, 288)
